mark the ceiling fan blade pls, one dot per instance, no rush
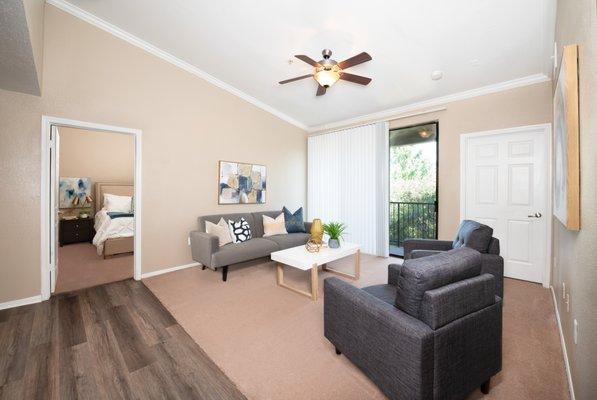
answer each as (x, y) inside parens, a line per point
(361, 80)
(298, 78)
(356, 60)
(320, 90)
(308, 60)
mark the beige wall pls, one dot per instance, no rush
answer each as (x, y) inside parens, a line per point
(34, 11)
(517, 107)
(101, 156)
(187, 123)
(575, 253)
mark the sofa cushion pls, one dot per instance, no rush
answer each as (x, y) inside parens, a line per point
(257, 226)
(386, 293)
(422, 274)
(294, 222)
(473, 235)
(239, 252)
(289, 240)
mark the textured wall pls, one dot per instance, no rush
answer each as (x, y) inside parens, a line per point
(527, 105)
(187, 123)
(575, 253)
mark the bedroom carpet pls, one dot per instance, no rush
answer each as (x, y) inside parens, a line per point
(80, 267)
(270, 341)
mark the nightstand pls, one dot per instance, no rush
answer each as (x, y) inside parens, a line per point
(75, 231)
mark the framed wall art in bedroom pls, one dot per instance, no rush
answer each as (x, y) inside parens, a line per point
(241, 183)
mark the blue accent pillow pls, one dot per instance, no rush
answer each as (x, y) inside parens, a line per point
(294, 222)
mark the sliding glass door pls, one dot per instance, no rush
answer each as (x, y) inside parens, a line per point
(413, 184)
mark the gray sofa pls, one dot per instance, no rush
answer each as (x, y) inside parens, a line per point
(433, 332)
(206, 248)
(470, 234)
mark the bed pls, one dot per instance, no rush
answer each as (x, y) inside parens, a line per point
(113, 235)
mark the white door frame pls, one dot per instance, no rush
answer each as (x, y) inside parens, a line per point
(46, 124)
(545, 128)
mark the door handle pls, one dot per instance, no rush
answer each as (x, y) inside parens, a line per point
(536, 215)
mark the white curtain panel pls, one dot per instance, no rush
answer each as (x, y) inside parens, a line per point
(348, 182)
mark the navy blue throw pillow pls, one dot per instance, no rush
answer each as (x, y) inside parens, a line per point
(294, 222)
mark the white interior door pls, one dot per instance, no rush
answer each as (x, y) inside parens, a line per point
(505, 176)
(54, 204)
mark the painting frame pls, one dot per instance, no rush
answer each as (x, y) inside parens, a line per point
(241, 183)
(566, 141)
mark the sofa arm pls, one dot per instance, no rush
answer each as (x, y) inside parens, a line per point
(203, 245)
(308, 227)
(392, 348)
(494, 265)
(394, 273)
(425, 244)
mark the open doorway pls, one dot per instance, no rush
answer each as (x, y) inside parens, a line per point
(91, 199)
(413, 184)
(95, 221)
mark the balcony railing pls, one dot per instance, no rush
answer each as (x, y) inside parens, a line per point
(412, 220)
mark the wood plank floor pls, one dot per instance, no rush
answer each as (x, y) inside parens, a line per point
(114, 341)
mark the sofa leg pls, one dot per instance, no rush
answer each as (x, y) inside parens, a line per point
(203, 268)
(338, 351)
(485, 386)
(224, 273)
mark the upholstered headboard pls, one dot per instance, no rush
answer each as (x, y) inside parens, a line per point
(119, 189)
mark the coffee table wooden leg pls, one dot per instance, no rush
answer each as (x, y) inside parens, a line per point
(280, 273)
(314, 283)
(357, 265)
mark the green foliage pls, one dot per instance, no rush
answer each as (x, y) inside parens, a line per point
(412, 173)
(335, 230)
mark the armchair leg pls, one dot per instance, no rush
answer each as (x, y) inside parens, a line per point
(485, 386)
(224, 273)
(203, 268)
(338, 351)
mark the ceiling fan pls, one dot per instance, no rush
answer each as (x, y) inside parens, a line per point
(327, 71)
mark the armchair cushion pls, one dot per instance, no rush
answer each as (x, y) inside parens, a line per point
(424, 253)
(386, 293)
(428, 273)
(474, 235)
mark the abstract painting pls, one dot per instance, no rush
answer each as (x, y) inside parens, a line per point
(566, 202)
(74, 192)
(241, 183)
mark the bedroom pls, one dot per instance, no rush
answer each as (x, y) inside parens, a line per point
(94, 223)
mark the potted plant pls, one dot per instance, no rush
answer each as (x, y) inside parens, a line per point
(335, 230)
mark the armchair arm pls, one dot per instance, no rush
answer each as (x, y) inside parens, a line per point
(394, 273)
(494, 264)
(392, 348)
(203, 245)
(425, 244)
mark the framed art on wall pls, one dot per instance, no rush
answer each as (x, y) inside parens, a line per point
(241, 183)
(566, 185)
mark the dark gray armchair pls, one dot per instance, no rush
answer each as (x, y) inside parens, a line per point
(433, 332)
(470, 234)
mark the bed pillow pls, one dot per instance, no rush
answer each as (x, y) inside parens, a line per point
(220, 229)
(240, 231)
(114, 203)
(273, 226)
(294, 222)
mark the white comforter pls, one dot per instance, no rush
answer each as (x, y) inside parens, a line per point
(108, 228)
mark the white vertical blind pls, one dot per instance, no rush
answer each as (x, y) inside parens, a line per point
(348, 182)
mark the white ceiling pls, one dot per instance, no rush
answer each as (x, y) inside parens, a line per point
(247, 45)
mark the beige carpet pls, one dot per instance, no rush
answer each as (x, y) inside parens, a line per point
(270, 341)
(80, 267)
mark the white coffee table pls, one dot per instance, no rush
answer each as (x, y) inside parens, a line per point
(298, 257)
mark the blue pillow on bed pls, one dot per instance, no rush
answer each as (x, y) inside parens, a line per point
(294, 222)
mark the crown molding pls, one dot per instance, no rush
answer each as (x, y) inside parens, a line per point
(399, 112)
(135, 41)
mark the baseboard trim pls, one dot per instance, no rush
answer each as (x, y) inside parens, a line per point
(20, 302)
(168, 270)
(566, 362)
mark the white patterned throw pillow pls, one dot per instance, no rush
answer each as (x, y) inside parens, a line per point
(240, 231)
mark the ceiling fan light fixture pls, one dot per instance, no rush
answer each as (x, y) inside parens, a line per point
(327, 77)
